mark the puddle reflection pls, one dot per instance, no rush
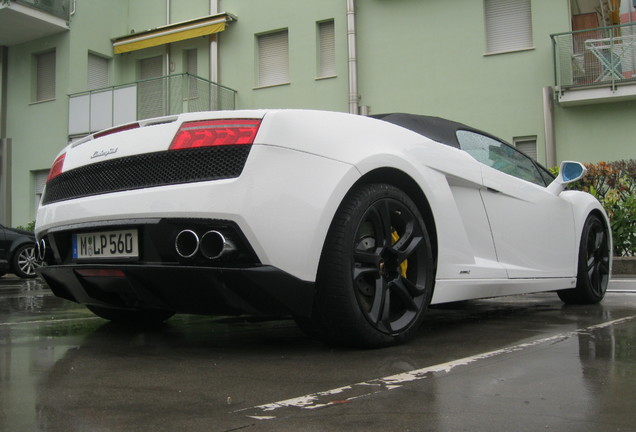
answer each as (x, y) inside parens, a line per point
(82, 374)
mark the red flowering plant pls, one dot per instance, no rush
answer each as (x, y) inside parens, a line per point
(614, 185)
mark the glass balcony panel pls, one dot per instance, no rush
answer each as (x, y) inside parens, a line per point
(604, 56)
(155, 97)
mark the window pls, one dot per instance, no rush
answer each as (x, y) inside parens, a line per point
(45, 77)
(499, 156)
(273, 59)
(528, 145)
(97, 72)
(190, 62)
(39, 178)
(508, 25)
(190, 66)
(151, 67)
(151, 91)
(326, 49)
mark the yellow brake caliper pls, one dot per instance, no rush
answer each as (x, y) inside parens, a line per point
(404, 265)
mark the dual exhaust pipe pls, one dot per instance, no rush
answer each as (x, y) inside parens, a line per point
(40, 250)
(212, 244)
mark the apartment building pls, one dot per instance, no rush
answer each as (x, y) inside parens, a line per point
(553, 77)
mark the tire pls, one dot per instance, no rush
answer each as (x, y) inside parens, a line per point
(139, 318)
(376, 273)
(25, 261)
(593, 264)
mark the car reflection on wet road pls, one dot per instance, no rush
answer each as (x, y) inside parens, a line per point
(515, 363)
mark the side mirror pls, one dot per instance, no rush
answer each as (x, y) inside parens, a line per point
(568, 173)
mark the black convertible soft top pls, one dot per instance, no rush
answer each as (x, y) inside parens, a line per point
(435, 128)
(443, 131)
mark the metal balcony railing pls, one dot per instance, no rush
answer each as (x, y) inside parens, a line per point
(168, 95)
(604, 56)
(58, 8)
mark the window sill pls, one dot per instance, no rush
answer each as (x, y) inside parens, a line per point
(41, 101)
(494, 53)
(271, 85)
(326, 77)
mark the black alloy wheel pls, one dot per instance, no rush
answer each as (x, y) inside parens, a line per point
(376, 273)
(593, 264)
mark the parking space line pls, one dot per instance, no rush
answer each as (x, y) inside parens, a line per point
(351, 392)
(622, 285)
(30, 294)
(7, 324)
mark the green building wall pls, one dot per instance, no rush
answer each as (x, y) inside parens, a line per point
(37, 129)
(593, 133)
(238, 53)
(425, 57)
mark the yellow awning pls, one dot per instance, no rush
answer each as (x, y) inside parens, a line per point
(172, 33)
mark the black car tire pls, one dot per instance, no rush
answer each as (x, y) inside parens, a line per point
(376, 273)
(141, 317)
(593, 264)
(25, 261)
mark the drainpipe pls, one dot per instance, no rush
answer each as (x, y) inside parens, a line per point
(548, 122)
(214, 46)
(5, 181)
(166, 84)
(168, 45)
(353, 59)
(4, 69)
(5, 142)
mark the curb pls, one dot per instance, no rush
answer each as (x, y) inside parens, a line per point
(624, 266)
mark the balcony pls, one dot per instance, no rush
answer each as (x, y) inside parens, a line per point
(26, 20)
(99, 109)
(596, 65)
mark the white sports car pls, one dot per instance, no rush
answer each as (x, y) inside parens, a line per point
(352, 225)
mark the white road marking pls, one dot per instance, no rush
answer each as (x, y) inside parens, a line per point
(349, 393)
(624, 285)
(37, 294)
(49, 321)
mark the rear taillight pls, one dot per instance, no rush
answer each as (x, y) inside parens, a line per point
(116, 130)
(210, 133)
(56, 169)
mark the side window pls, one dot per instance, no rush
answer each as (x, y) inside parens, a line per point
(499, 156)
(547, 176)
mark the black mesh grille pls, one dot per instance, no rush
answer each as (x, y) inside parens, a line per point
(148, 170)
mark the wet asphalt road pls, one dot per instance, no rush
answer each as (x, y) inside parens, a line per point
(523, 363)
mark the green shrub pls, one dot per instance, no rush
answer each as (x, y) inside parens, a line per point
(30, 227)
(614, 185)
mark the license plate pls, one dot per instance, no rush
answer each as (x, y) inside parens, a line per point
(106, 244)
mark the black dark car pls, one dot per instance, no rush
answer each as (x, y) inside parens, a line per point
(18, 253)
